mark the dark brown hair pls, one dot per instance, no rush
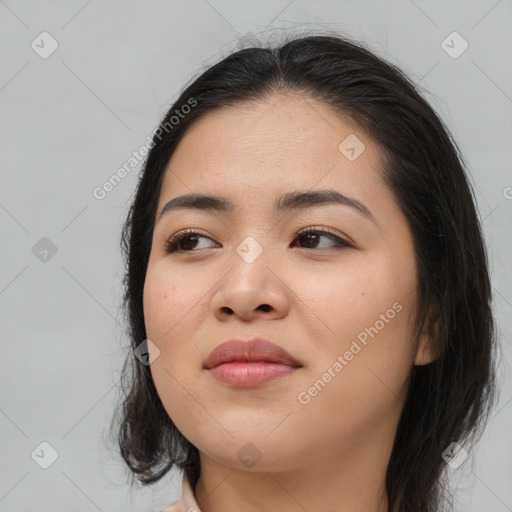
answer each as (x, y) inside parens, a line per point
(449, 399)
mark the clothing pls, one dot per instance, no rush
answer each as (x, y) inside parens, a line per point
(187, 502)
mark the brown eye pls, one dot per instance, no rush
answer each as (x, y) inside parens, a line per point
(186, 241)
(310, 239)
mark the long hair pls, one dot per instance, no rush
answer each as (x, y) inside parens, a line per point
(449, 400)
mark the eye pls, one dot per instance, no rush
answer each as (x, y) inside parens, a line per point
(186, 241)
(310, 236)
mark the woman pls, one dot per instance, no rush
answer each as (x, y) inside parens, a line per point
(307, 274)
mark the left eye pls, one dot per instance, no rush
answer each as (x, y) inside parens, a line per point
(187, 240)
(312, 235)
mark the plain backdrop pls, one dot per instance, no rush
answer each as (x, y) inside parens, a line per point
(82, 86)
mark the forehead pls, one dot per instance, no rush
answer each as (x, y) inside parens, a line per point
(267, 147)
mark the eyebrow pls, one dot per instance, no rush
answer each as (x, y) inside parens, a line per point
(300, 200)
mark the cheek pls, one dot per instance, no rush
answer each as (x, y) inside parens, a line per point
(366, 318)
(360, 379)
(351, 299)
(169, 309)
(155, 300)
(173, 312)
(167, 302)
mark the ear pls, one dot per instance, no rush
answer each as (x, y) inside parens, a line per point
(427, 339)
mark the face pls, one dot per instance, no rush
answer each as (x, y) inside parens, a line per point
(332, 285)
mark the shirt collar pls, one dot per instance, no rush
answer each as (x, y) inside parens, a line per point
(187, 494)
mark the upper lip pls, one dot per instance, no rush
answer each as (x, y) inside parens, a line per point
(249, 350)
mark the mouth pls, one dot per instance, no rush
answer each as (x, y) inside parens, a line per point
(250, 374)
(250, 363)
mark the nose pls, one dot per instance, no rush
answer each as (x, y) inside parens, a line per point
(251, 290)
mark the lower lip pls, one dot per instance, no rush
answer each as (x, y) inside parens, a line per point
(249, 374)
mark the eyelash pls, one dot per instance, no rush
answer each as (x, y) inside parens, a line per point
(172, 244)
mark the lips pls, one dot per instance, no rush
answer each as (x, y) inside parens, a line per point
(254, 350)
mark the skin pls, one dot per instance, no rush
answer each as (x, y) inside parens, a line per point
(330, 454)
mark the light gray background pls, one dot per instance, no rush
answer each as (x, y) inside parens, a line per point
(69, 121)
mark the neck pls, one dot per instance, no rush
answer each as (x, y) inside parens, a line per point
(351, 479)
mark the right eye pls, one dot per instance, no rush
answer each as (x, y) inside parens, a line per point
(184, 241)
